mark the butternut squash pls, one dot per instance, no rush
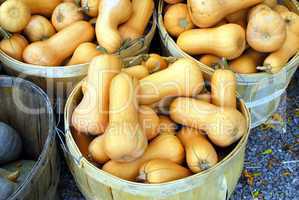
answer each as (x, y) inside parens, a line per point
(155, 63)
(210, 60)
(90, 7)
(138, 71)
(84, 53)
(42, 7)
(149, 121)
(276, 60)
(161, 171)
(280, 8)
(125, 140)
(66, 14)
(177, 19)
(207, 13)
(14, 46)
(142, 12)
(111, 15)
(173, 1)
(51, 52)
(266, 30)
(270, 3)
(14, 15)
(224, 41)
(187, 82)
(162, 147)
(162, 106)
(200, 153)
(224, 126)
(91, 115)
(207, 97)
(39, 28)
(166, 125)
(248, 62)
(239, 17)
(97, 151)
(83, 141)
(224, 88)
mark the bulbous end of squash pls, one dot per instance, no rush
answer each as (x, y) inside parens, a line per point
(124, 141)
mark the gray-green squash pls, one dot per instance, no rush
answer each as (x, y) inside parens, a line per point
(10, 144)
(6, 188)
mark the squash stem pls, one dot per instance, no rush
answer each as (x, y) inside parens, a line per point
(5, 33)
(141, 177)
(266, 68)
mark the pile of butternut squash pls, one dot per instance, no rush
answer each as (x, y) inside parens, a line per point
(62, 33)
(253, 35)
(155, 122)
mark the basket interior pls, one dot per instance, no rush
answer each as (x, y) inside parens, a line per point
(25, 108)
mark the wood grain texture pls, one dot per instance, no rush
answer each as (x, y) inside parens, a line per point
(26, 108)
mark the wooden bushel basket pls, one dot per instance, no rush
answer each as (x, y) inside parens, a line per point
(58, 81)
(26, 108)
(216, 183)
(261, 91)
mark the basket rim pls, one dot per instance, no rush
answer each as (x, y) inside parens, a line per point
(83, 161)
(259, 75)
(3, 55)
(43, 157)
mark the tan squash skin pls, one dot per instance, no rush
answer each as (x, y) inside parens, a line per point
(149, 121)
(39, 28)
(177, 19)
(166, 125)
(155, 63)
(224, 88)
(276, 60)
(14, 46)
(210, 60)
(82, 141)
(266, 30)
(111, 15)
(162, 106)
(280, 8)
(42, 7)
(138, 71)
(173, 1)
(97, 151)
(51, 52)
(163, 147)
(224, 41)
(208, 13)
(161, 171)
(90, 7)
(14, 15)
(239, 17)
(270, 3)
(247, 63)
(84, 53)
(91, 115)
(187, 82)
(224, 126)
(125, 140)
(200, 153)
(66, 14)
(207, 97)
(142, 12)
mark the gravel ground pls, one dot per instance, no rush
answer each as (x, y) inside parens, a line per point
(272, 159)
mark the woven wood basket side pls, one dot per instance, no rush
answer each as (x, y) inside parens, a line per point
(27, 108)
(216, 183)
